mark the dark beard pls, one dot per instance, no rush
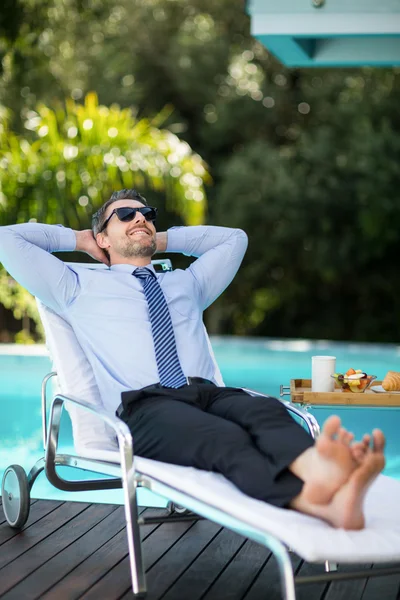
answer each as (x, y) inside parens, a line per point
(135, 249)
(144, 251)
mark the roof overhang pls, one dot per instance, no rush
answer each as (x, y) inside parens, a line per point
(328, 33)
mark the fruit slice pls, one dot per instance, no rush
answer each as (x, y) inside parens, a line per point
(355, 376)
(356, 389)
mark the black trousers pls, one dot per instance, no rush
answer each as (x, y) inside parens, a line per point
(250, 440)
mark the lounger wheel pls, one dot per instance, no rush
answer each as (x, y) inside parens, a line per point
(175, 508)
(181, 510)
(16, 496)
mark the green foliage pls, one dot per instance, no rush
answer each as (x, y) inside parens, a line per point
(23, 306)
(323, 226)
(77, 155)
(306, 161)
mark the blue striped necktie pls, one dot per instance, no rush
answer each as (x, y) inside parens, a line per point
(169, 367)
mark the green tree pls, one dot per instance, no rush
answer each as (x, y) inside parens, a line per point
(323, 217)
(312, 153)
(78, 154)
(23, 307)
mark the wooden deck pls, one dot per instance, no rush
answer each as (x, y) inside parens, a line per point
(71, 550)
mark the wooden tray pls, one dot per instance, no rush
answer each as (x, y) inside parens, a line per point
(300, 392)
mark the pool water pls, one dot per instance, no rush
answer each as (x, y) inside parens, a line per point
(262, 365)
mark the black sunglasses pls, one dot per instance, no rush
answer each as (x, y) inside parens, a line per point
(126, 213)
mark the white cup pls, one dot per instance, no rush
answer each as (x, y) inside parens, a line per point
(322, 367)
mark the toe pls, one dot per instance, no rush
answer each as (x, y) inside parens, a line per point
(378, 440)
(358, 455)
(357, 446)
(358, 451)
(342, 435)
(331, 426)
(366, 440)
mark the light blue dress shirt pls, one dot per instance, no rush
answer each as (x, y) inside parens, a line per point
(107, 308)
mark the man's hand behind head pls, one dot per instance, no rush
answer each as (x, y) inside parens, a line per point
(85, 242)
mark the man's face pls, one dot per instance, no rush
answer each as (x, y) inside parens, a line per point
(136, 238)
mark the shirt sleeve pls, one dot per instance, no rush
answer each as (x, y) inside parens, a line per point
(25, 252)
(220, 251)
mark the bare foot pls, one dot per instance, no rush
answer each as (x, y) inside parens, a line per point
(345, 510)
(325, 467)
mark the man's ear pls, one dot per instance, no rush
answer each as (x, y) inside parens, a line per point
(101, 242)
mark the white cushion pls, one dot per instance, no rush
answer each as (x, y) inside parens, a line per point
(313, 539)
(75, 378)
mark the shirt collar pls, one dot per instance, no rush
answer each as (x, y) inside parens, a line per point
(125, 268)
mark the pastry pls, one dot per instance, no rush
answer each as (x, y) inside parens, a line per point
(391, 383)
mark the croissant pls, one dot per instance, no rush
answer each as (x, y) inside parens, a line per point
(391, 382)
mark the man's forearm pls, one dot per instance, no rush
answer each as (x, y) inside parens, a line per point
(199, 239)
(51, 238)
(219, 252)
(162, 241)
(81, 240)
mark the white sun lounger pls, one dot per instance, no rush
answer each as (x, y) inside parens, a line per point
(104, 445)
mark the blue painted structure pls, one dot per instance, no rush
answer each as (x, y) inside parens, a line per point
(328, 33)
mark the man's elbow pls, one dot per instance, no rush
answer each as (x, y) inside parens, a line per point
(7, 242)
(6, 230)
(242, 239)
(5, 234)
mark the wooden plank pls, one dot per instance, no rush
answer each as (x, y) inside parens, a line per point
(311, 591)
(98, 564)
(34, 534)
(266, 583)
(240, 574)
(94, 568)
(74, 550)
(38, 512)
(167, 570)
(386, 588)
(35, 585)
(118, 580)
(354, 589)
(38, 555)
(202, 573)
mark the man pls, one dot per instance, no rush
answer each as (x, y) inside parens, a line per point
(144, 337)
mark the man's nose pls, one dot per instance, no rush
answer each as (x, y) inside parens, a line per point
(139, 218)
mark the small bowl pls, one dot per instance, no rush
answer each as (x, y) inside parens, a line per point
(356, 383)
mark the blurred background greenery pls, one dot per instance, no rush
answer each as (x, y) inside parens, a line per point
(175, 97)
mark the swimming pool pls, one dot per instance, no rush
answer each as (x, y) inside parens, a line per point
(259, 364)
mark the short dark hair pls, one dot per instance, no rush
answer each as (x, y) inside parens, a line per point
(99, 217)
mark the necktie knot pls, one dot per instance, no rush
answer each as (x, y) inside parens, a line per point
(143, 273)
